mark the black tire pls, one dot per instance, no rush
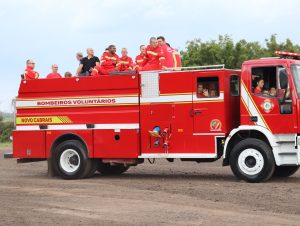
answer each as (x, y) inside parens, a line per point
(78, 163)
(94, 166)
(285, 171)
(252, 160)
(107, 169)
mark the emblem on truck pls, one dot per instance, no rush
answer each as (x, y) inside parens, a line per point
(267, 105)
(215, 125)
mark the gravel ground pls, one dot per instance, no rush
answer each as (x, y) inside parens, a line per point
(179, 193)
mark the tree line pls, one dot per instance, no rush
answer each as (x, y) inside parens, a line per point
(225, 51)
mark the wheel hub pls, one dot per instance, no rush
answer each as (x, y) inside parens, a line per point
(70, 160)
(74, 160)
(251, 161)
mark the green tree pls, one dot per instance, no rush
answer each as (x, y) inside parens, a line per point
(225, 51)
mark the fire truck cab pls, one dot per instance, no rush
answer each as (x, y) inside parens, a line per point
(109, 123)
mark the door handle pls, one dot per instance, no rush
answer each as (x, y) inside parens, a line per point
(196, 112)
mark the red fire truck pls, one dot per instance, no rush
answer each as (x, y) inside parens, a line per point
(109, 123)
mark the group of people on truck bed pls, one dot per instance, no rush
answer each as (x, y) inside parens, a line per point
(158, 55)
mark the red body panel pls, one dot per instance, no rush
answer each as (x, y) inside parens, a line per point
(29, 144)
(116, 144)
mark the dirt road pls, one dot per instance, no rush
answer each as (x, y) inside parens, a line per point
(179, 193)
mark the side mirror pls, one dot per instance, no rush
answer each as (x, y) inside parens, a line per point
(283, 79)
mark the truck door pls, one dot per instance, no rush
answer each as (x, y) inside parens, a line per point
(208, 103)
(270, 101)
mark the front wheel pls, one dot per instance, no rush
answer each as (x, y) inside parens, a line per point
(252, 160)
(285, 171)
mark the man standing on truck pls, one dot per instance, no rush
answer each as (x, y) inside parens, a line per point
(109, 62)
(29, 72)
(125, 63)
(88, 63)
(154, 57)
(139, 59)
(54, 73)
(168, 51)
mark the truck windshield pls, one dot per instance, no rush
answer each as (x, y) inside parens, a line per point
(296, 74)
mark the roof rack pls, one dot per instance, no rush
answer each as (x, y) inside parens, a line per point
(217, 66)
(196, 68)
(265, 58)
(206, 67)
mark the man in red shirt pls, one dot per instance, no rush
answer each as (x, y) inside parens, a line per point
(29, 73)
(109, 61)
(54, 73)
(139, 59)
(125, 62)
(154, 57)
(168, 51)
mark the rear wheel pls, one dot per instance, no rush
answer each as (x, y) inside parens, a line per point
(252, 160)
(107, 169)
(70, 160)
(285, 171)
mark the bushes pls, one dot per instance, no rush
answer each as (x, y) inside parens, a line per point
(6, 131)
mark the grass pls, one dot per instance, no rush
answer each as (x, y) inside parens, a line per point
(6, 145)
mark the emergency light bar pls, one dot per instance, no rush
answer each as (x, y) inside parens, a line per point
(289, 55)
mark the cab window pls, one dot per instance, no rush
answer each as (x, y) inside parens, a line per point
(265, 80)
(272, 82)
(234, 85)
(207, 87)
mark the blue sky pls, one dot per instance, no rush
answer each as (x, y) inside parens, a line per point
(52, 31)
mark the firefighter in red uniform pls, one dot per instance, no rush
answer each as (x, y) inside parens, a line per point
(177, 60)
(29, 73)
(139, 59)
(125, 62)
(154, 57)
(109, 61)
(168, 51)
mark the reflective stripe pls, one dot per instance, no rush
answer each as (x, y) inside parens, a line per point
(77, 102)
(178, 155)
(152, 53)
(27, 128)
(139, 61)
(123, 62)
(110, 58)
(112, 101)
(175, 60)
(251, 107)
(81, 127)
(180, 98)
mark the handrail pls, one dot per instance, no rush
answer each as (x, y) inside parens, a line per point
(206, 67)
